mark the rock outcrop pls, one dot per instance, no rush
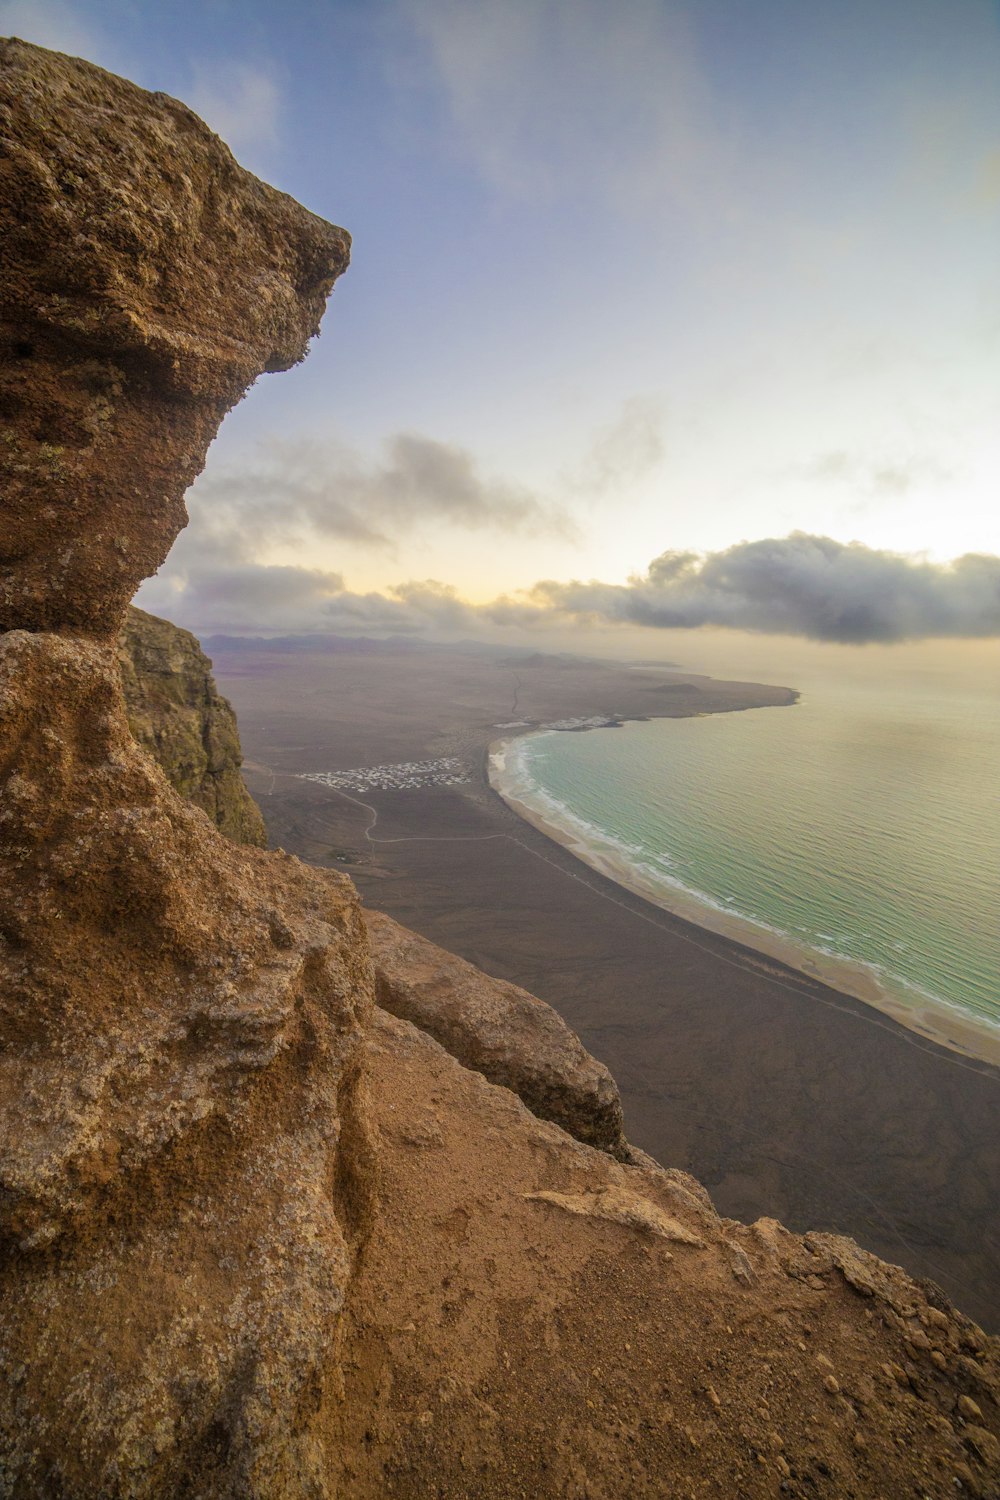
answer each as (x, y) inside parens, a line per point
(147, 281)
(258, 1237)
(177, 714)
(180, 1121)
(501, 1031)
(184, 1175)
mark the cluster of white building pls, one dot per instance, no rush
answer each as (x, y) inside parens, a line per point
(406, 776)
(599, 721)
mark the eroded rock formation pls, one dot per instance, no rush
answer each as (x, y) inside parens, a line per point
(178, 715)
(206, 1287)
(183, 1168)
(147, 281)
(499, 1030)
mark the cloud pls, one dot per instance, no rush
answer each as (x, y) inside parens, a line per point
(799, 585)
(878, 477)
(293, 491)
(802, 585)
(241, 102)
(548, 97)
(252, 597)
(622, 452)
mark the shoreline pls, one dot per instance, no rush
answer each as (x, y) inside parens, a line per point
(977, 1041)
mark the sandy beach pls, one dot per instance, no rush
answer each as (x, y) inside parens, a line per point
(784, 1094)
(939, 1022)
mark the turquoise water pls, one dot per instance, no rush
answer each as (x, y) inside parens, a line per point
(861, 825)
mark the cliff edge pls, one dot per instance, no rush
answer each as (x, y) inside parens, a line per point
(258, 1237)
(183, 1168)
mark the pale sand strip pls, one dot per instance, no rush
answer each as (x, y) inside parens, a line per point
(939, 1023)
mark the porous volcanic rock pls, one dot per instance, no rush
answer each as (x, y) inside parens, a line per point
(176, 713)
(501, 1031)
(147, 281)
(185, 1175)
(183, 1168)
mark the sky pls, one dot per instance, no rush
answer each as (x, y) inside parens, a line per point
(662, 317)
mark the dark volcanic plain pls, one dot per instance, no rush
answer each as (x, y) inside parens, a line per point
(784, 1097)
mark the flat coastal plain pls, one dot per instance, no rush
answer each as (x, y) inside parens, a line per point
(783, 1096)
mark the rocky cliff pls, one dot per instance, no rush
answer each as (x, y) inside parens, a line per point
(183, 1168)
(258, 1237)
(177, 715)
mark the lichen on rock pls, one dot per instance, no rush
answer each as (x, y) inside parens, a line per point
(178, 715)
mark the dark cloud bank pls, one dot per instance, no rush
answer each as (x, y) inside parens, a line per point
(800, 585)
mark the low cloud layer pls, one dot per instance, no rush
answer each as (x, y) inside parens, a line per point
(802, 585)
(809, 586)
(252, 598)
(330, 490)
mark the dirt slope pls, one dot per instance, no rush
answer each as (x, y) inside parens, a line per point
(534, 1319)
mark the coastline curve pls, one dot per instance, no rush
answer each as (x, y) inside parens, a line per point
(931, 1017)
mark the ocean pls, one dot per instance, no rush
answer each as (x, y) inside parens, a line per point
(855, 835)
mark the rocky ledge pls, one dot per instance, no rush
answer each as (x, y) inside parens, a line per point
(185, 1178)
(498, 1030)
(258, 1237)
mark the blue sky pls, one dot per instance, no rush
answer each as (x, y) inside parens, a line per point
(628, 279)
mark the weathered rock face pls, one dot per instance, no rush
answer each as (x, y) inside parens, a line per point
(184, 1169)
(150, 967)
(177, 715)
(500, 1030)
(147, 281)
(178, 1087)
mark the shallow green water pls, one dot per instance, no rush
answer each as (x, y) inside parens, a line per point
(862, 824)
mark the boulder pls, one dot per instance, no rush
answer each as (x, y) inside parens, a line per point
(501, 1031)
